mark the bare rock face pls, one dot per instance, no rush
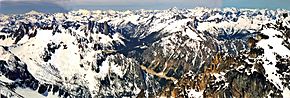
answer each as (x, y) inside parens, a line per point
(168, 53)
(240, 76)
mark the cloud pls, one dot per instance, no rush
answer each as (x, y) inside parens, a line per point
(106, 4)
(21, 6)
(207, 3)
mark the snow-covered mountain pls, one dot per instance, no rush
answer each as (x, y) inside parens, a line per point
(197, 52)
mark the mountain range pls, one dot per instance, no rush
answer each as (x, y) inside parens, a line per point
(200, 52)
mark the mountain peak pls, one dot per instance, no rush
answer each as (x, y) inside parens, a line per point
(33, 12)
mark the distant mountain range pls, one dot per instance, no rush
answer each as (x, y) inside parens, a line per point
(22, 7)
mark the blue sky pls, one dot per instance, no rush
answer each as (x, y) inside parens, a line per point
(51, 6)
(269, 4)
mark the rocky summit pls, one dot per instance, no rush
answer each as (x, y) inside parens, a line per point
(196, 53)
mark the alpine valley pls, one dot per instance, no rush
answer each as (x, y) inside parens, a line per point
(196, 53)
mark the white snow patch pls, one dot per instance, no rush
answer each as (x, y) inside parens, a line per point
(133, 19)
(108, 41)
(4, 79)
(117, 69)
(217, 16)
(219, 76)
(4, 55)
(109, 66)
(270, 56)
(177, 25)
(118, 37)
(31, 52)
(28, 93)
(191, 34)
(286, 93)
(104, 69)
(195, 94)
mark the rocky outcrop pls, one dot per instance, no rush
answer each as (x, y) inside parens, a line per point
(240, 76)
